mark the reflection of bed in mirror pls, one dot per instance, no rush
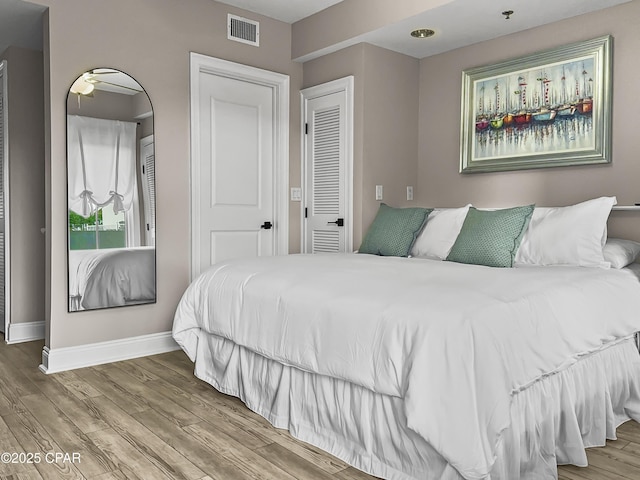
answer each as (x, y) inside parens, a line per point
(111, 277)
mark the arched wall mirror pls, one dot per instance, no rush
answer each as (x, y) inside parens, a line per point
(110, 192)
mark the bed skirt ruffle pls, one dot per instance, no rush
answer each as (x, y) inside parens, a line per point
(552, 421)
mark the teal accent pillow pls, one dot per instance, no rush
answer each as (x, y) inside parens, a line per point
(394, 231)
(491, 237)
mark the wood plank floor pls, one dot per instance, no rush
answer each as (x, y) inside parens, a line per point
(150, 418)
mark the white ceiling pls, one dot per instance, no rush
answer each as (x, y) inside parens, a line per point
(464, 22)
(289, 11)
(457, 23)
(114, 81)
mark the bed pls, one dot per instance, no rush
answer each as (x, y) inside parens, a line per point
(418, 368)
(111, 277)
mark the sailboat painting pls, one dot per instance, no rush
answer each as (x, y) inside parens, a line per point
(552, 108)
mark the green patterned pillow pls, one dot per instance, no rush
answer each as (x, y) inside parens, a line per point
(491, 237)
(394, 231)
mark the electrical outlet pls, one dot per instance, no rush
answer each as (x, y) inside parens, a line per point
(409, 192)
(378, 192)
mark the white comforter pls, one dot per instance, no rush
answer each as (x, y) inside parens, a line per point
(454, 341)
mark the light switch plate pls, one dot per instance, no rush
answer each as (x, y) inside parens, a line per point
(379, 192)
(409, 192)
(296, 194)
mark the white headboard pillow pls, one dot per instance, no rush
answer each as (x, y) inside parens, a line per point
(439, 233)
(573, 235)
(620, 253)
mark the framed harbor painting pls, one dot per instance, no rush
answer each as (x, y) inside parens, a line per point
(552, 108)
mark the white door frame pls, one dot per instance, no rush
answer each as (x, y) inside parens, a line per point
(279, 84)
(5, 192)
(346, 85)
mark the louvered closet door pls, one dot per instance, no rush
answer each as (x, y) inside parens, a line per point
(326, 190)
(148, 170)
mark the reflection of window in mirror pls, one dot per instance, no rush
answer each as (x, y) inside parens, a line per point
(102, 179)
(103, 229)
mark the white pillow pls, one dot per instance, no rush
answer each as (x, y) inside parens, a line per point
(440, 233)
(573, 235)
(620, 253)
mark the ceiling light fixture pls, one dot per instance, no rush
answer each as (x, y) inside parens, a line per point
(423, 33)
(82, 87)
(507, 14)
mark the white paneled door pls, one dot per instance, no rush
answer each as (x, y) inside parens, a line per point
(237, 163)
(327, 170)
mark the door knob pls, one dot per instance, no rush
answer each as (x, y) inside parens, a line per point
(339, 222)
(266, 225)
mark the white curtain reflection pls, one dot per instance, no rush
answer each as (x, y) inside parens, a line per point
(101, 164)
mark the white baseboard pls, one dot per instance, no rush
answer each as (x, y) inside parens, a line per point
(25, 332)
(68, 358)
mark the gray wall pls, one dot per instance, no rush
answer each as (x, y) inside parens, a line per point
(406, 124)
(151, 41)
(440, 184)
(385, 123)
(26, 183)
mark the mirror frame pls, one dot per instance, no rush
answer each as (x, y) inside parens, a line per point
(125, 257)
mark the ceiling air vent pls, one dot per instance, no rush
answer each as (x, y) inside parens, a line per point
(243, 30)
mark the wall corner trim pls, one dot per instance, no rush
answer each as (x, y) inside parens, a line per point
(25, 332)
(69, 358)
